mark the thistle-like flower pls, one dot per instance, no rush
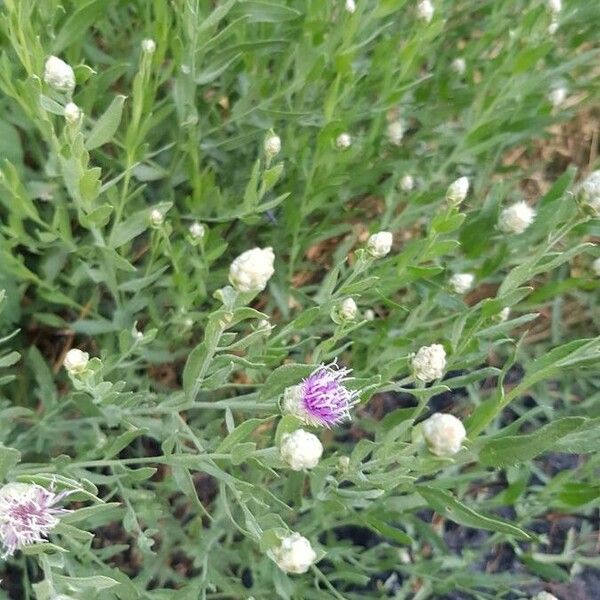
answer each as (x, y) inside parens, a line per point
(457, 191)
(76, 361)
(407, 183)
(425, 10)
(72, 113)
(343, 141)
(28, 513)
(429, 362)
(461, 283)
(395, 132)
(380, 244)
(251, 270)
(322, 399)
(300, 450)
(588, 192)
(516, 218)
(444, 434)
(459, 66)
(294, 555)
(59, 75)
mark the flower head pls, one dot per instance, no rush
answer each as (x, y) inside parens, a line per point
(459, 66)
(554, 6)
(461, 283)
(347, 309)
(380, 244)
(516, 218)
(407, 183)
(343, 141)
(76, 360)
(157, 218)
(148, 46)
(321, 399)
(425, 10)
(72, 113)
(444, 434)
(457, 191)
(251, 270)
(197, 230)
(588, 192)
(294, 554)
(557, 96)
(370, 314)
(59, 75)
(27, 515)
(300, 450)
(395, 132)
(596, 267)
(553, 27)
(272, 145)
(544, 596)
(429, 362)
(350, 6)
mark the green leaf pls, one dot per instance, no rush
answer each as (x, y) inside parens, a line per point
(107, 125)
(77, 24)
(240, 434)
(512, 450)
(283, 377)
(451, 508)
(9, 457)
(382, 527)
(265, 12)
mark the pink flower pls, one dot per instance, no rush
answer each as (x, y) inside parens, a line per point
(27, 514)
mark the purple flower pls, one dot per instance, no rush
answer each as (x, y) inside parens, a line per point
(27, 515)
(321, 399)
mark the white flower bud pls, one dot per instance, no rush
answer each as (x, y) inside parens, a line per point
(76, 361)
(300, 450)
(59, 75)
(370, 314)
(343, 463)
(461, 283)
(516, 218)
(553, 27)
(444, 434)
(148, 46)
(588, 192)
(197, 230)
(348, 309)
(457, 191)
(252, 269)
(504, 314)
(545, 596)
(157, 218)
(407, 183)
(459, 66)
(557, 96)
(395, 132)
(295, 554)
(343, 141)
(596, 267)
(429, 363)
(380, 244)
(554, 6)
(350, 6)
(425, 10)
(72, 113)
(272, 145)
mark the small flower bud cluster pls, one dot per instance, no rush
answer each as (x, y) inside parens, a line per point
(197, 230)
(429, 363)
(300, 450)
(343, 141)
(272, 146)
(72, 113)
(380, 244)
(588, 193)
(75, 361)
(59, 75)
(444, 434)
(294, 555)
(157, 218)
(425, 10)
(395, 132)
(516, 218)
(457, 191)
(461, 283)
(148, 46)
(251, 270)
